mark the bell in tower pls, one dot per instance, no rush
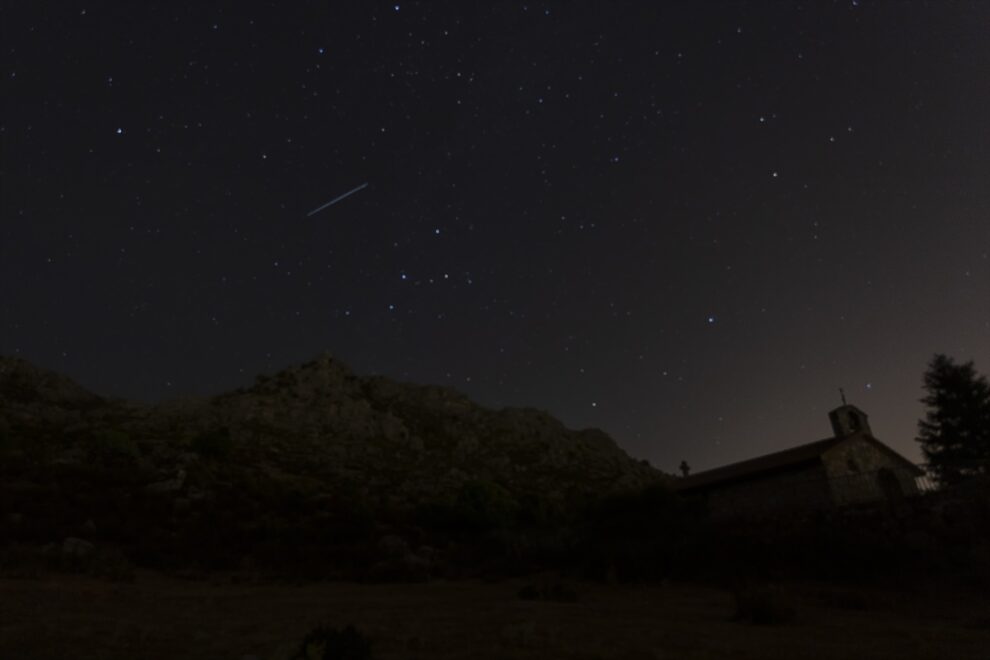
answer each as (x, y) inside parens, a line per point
(847, 419)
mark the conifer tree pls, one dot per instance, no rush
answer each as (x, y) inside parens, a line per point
(955, 433)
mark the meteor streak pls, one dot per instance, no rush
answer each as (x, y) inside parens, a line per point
(337, 199)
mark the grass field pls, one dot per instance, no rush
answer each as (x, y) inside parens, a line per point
(154, 617)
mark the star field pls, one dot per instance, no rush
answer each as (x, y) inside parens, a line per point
(687, 225)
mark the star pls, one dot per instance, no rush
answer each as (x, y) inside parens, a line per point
(552, 254)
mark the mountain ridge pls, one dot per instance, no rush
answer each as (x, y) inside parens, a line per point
(395, 444)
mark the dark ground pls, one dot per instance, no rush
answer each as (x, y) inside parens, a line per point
(155, 616)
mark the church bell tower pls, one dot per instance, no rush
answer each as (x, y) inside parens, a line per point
(847, 419)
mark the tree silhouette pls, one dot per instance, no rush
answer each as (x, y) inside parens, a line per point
(955, 433)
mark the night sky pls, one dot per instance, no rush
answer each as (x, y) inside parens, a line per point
(685, 223)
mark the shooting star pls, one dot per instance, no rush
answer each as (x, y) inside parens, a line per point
(337, 199)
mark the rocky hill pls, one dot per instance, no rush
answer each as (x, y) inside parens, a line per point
(397, 443)
(306, 444)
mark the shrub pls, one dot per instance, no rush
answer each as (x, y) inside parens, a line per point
(216, 443)
(21, 561)
(644, 535)
(529, 592)
(535, 511)
(107, 563)
(763, 605)
(479, 506)
(113, 443)
(652, 513)
(6, 440)
(483, 505)
(111, 564)
(325, 643)
(556, 592)
(847, 600)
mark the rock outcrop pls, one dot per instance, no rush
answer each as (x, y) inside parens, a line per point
(316, 432)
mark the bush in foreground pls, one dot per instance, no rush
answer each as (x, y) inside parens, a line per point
(326, 643)
(763, 604)
(557, 592)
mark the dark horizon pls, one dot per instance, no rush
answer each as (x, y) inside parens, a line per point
(685, 225)
(911, 451)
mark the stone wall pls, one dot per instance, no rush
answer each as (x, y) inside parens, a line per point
(804, 489)
(855, 469)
